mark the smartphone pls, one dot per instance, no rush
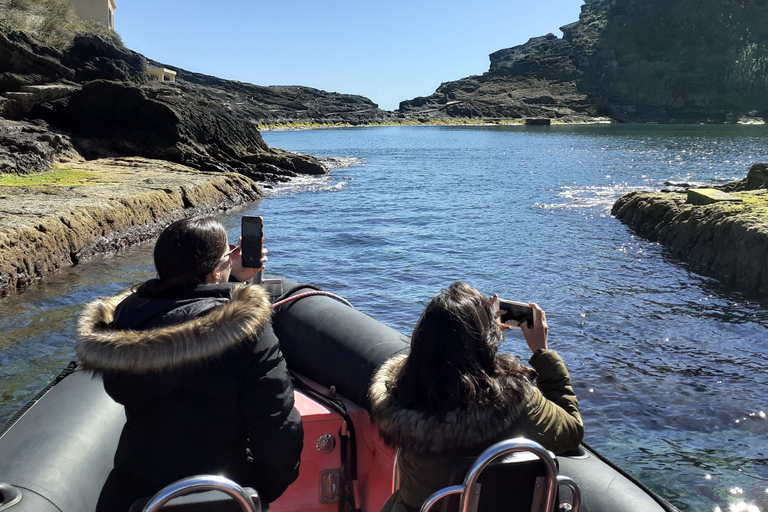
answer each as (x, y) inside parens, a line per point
(514, 313)
(253, 233)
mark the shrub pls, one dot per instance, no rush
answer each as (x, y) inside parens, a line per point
(54, 22)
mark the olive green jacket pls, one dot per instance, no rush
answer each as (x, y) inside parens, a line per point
(549, 414)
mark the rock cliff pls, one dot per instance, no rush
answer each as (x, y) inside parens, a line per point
(533, 80)
(631, 60)
(688, 60)
(96, 97)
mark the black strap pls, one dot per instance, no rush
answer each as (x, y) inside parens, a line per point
(347, 443)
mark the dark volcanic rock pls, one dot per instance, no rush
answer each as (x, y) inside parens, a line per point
(757, 178)
(98, 94)
(533, 80)
(278, 104)
(632, 60)
(95, 57)
(183, 123)
(688, 60)
(24, 61)
(27, 147)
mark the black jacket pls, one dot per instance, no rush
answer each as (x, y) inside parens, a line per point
(204, 385)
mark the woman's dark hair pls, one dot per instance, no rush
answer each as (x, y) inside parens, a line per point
(453, 360)
(189, 248)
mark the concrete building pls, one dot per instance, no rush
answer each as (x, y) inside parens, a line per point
(161, 74)
(102, 11)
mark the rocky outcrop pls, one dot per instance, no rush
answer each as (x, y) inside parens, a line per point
(97, 96)
(26, 147)
(533, 80)
(725, 240)
(702, 60)
(631, 60)
(119, 202)
(279, 104)
(135, 154)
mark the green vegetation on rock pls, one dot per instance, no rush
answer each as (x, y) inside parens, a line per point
(52, 21)
(754, 205)
(726, 239)
(58, 176)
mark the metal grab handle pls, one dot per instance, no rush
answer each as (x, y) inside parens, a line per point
(202, 483)
(500, 449)
(575, 491)
(442, 493)
(396, 469)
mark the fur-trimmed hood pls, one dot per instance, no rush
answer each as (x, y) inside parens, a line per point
(416, 431)
(239, 313)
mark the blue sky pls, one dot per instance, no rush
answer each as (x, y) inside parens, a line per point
(388, 51)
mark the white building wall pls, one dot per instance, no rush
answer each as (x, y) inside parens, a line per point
(102, 11)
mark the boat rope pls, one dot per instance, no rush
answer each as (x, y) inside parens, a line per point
(71, 368)
(299, 296)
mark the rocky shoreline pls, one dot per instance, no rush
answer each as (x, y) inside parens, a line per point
(149, 146)
(726, 239)
(116, 202)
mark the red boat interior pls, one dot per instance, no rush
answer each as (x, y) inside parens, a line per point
(339, 463)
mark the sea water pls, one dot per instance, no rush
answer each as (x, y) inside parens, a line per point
(670, 366)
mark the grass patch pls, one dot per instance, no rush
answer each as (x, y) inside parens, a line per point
(58, 176)
(755, 204)
(54, 22)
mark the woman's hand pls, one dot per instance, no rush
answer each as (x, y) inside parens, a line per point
(244, 274)
(536, 338)
(497, 313)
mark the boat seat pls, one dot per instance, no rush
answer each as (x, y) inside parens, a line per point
(514, 475)
(201, 493)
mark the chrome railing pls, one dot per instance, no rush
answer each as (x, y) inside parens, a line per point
(199, 483)
(496, 451)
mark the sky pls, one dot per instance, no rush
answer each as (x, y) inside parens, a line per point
(386, 50)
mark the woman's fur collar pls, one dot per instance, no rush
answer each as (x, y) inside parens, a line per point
(103, 348)
(416, 431)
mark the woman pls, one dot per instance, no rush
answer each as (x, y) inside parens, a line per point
(454, 395)
(195, 363)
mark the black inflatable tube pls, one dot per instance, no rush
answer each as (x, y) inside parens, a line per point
(333, 344)
(60, 451)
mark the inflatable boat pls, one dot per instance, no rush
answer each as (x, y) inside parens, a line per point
(56, 452)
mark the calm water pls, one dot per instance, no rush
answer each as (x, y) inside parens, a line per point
(670, 367)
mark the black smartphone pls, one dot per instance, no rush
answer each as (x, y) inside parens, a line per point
(253, 233)
(514, 313)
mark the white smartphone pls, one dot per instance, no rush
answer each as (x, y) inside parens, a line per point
(514, 313)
